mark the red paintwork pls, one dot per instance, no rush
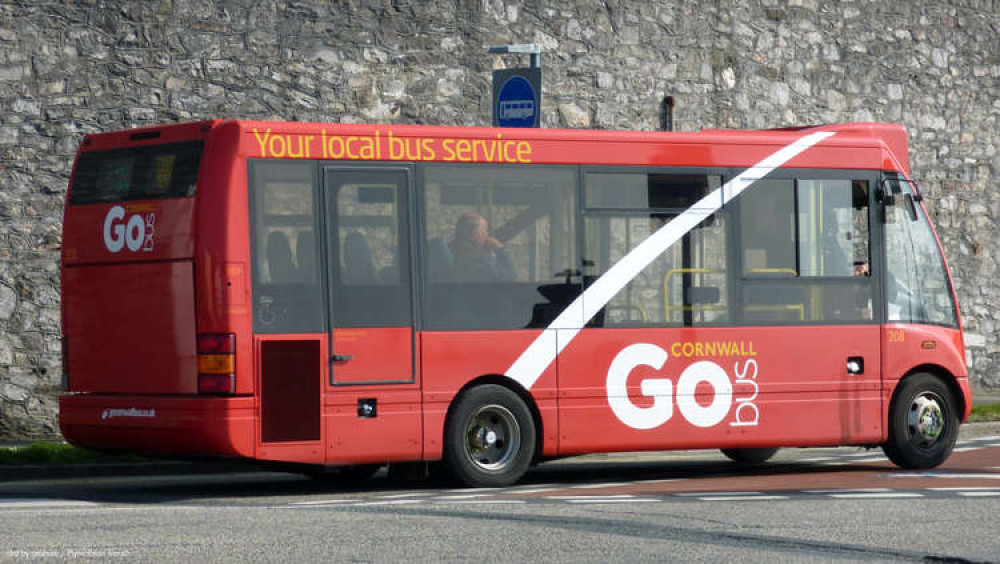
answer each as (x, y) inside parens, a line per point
(201, 261)
(805, 394)
(174, 234)
(377, 355)
(181, 426)
(122, 341)
(903, 356)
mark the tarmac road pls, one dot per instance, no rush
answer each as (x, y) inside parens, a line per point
(815, 505)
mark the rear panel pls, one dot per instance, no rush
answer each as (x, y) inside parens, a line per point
(131, 328)
(128, 294)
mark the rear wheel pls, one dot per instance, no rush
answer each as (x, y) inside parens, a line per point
(489, 437)
(749, 455)
(923, 423)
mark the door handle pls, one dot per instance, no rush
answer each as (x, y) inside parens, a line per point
(341, 357)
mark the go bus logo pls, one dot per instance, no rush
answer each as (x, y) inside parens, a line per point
(662, 391)
(136, 233)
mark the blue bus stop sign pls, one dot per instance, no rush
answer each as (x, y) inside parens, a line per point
(517, 97)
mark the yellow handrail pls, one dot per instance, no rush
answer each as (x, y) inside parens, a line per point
(791, 271)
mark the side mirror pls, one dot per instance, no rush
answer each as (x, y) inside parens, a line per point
(910, 206)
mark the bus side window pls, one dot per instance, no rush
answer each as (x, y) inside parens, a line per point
(687, 283)
(806, 251)
(497, 244)
(287, 296)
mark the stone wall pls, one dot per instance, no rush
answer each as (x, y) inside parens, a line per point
(73, 67)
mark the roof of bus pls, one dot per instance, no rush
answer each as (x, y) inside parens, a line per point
(254, 137)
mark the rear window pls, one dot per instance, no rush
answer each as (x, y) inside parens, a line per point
(140, 173)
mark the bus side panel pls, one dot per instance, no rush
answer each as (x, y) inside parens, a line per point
(450, 360)
(907, 346)
(393, 433)
(642, 389)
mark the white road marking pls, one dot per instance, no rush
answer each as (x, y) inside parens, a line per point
(869, 459)
(612, 500)
(483, 502)
(849, 490)
(962, 489)
(388, 502)
(522, 489)
(460, 497)
(472, 490)
(598, 486)
(402, 495)
(326, 502)
(887, 495)
(980, 494)
(743, 498)
(944, 475)
(572, 497)
(727, 494)
(532, 491)
(26, 503)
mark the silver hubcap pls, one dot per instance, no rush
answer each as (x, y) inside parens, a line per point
(492, 438)
(925, 418)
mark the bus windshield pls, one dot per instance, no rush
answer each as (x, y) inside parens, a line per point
(140, 173)
(918, 289)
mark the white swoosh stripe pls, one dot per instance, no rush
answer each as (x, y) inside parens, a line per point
(542, 352)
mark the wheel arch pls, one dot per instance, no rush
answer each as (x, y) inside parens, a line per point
(942, 374)
(512, 385)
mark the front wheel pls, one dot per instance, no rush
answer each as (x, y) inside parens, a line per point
(749, 455)
(923, 423)
(489, 437)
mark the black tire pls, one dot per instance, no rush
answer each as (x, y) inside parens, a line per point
(749, 455)
(923, 423)
(344, 473)
(489, 437)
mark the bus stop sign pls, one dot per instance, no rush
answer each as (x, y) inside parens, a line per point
(517, 97)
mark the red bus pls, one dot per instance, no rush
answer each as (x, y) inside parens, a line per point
(347, 296)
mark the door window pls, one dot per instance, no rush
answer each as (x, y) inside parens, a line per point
(368, 248)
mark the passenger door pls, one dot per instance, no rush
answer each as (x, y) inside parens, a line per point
(372, 391)
(807, 289)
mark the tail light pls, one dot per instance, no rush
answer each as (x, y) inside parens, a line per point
(217, 363)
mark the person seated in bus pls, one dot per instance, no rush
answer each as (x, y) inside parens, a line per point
(280, 265)
(478, 256)
(359, 262)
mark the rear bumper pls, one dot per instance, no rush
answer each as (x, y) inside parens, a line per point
(173, 426)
